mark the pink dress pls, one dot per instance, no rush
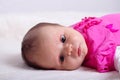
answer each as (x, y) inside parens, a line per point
(102, 35)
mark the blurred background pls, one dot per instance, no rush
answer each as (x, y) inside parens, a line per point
(28, 6)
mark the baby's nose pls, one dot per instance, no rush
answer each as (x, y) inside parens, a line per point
(68, 49)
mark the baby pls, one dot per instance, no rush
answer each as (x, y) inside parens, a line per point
(92, 42)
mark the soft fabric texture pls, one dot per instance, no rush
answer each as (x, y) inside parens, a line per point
(102, 35)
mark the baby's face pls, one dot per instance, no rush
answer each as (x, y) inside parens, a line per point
(60, 48)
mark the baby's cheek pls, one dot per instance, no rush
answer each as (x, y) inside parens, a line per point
(72, 64)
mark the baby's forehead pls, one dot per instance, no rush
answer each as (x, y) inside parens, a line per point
(47, 34)
(49, 30)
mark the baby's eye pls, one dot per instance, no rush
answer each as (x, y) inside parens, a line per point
(61, 58)
(63, 38)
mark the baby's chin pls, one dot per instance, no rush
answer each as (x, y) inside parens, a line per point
(70, 69)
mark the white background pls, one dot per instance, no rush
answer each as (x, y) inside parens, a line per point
(26, 6)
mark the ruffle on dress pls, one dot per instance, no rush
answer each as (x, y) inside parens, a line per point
(105, 56)
(86, 23)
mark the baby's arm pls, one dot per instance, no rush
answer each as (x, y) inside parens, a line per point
(117, 58)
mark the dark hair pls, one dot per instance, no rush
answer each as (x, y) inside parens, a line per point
(28, 45)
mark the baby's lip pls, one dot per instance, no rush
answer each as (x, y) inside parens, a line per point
(79, 51)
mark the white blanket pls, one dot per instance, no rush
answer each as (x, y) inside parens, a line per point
(12, 29)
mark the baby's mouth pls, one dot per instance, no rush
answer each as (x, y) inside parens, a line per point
(79, 51)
